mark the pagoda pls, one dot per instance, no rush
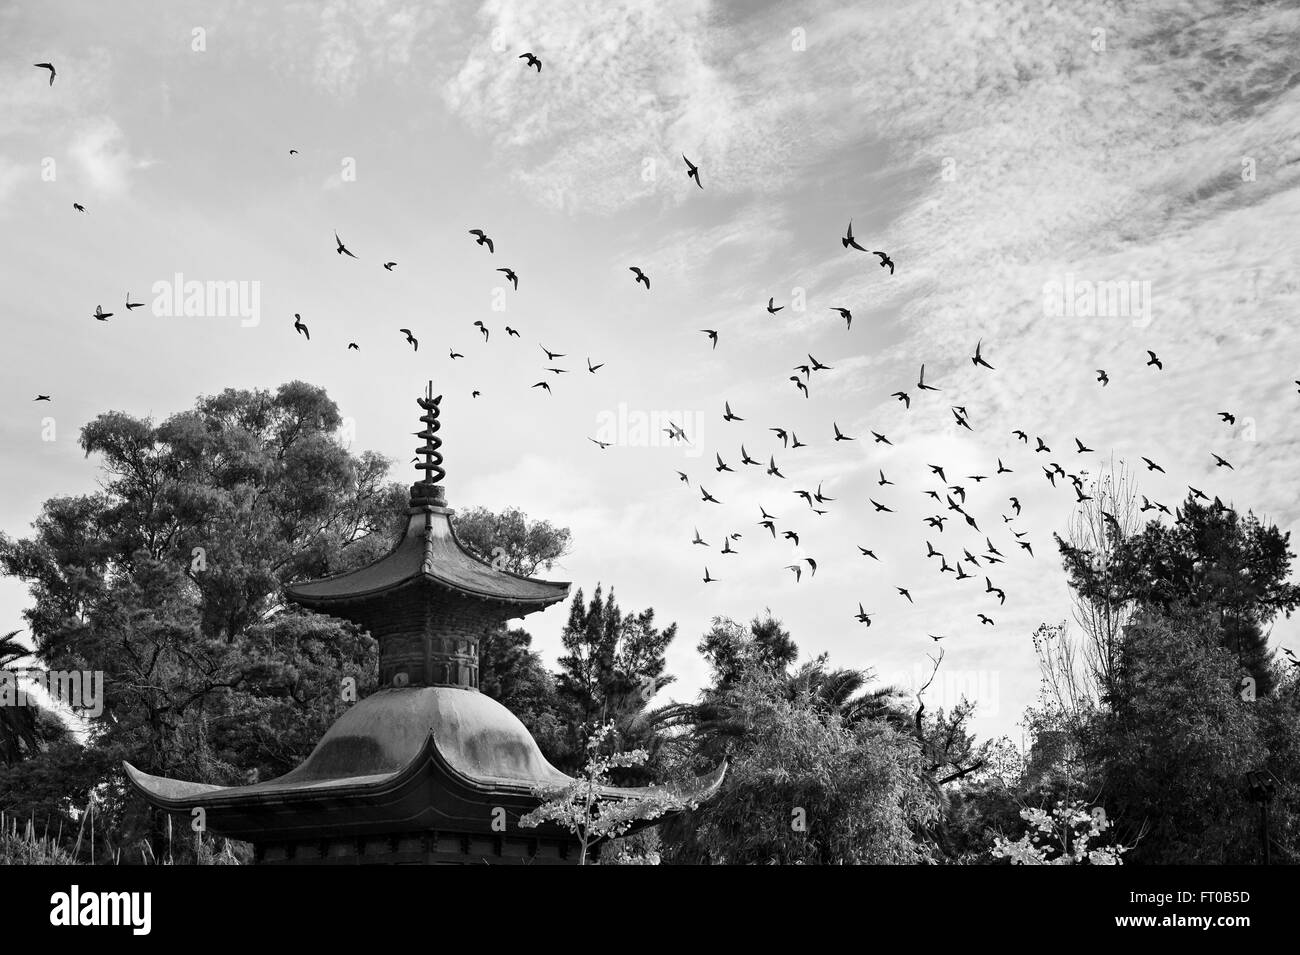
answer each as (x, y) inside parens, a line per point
(426, 770)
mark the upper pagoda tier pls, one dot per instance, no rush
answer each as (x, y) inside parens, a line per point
(429, 601)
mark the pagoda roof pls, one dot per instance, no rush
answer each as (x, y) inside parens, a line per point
(428, 551)
(412, 758)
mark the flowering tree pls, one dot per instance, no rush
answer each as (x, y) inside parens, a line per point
(1060, 837)
(585, 809)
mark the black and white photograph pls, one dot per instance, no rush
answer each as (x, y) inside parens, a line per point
(666, 433)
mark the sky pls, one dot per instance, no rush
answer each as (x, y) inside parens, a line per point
(1006, 156)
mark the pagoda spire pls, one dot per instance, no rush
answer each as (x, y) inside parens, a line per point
(429, 490)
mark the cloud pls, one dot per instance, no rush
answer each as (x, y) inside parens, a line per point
(100, 150)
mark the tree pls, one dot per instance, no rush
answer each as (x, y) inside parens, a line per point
(806, 786)
(613, 666)
(582, 807)
(513, 674)
(1212, 560)
(168, 581)
(509, 541)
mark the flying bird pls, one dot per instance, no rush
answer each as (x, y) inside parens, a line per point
(544, 385)
(707, 497)
(1228, 417)
(904, 593)
(844, 314)
(389, 266)
(885, 261)
(692, 171)
(603, 446)
(550, 355)
(800, 385)
(342, 249)
(511, 277)
(840, 436)
(881, 439)
(532, 61)
(640, 276)
(453, 354)
(727, 415)
(979, 359)
(862, 616)
(904, 397)
(79, 207)
(772, 308)
(482, 239)
(707, 578)
(713, 335)
(410, 339)
(300, 326)
(594, 368)
(353, 346)
(1220, 463)
(132, 305)
(921, 382)
(1082, 448)
(1153, 360)
(848, 241)
(1152, 466)
(1103, 377)
(50, 67)
(510, 331)
(41, 398)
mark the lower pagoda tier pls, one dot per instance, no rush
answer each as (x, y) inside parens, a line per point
(419, 774)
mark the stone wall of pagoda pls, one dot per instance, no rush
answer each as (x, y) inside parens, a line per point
(430, 637)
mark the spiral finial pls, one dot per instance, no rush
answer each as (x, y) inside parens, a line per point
(429, 490)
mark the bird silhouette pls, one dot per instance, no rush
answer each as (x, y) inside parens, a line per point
(904, 397)
(882, 482)
(921, 382)
(389, 266)
(50, 67)
(986, 620)
(798, 571)
(773, 309)
(698, 539)
(978, 359)
(1103, 377)
(844, 314)
(79, 207)
(410, 339)
(41, 398)
(511, 332)
(783, 435)
(848, 241)
(482, 328)
(903, 591)
(840, 436)
(862, 616)
(342, 249)
(640, 277)
(482, 239)
(1152, 466)
(594, 368)
(727, 415)
(881, 439)
(868, 553)
(550, 355)
(1002, 469)
(885, 261)
(1220, 463)
(1153, 360)
(300, 326)
(722, 466)
(132, 305)
(603, 446)
(533, 61)
(1082, 448)
(707, 497)
(692, 171)
(773, 470)
(707, 578)
(353, 346)
(1041, 446)
(1228, 417)
(746, 459)
(880, 507)
(453, 354)
(511, 277)
(800, 385)
(543, 385)
(713, 335)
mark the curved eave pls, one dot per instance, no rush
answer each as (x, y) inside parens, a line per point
(427, 793)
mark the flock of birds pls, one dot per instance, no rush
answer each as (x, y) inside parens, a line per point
(970, 559)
